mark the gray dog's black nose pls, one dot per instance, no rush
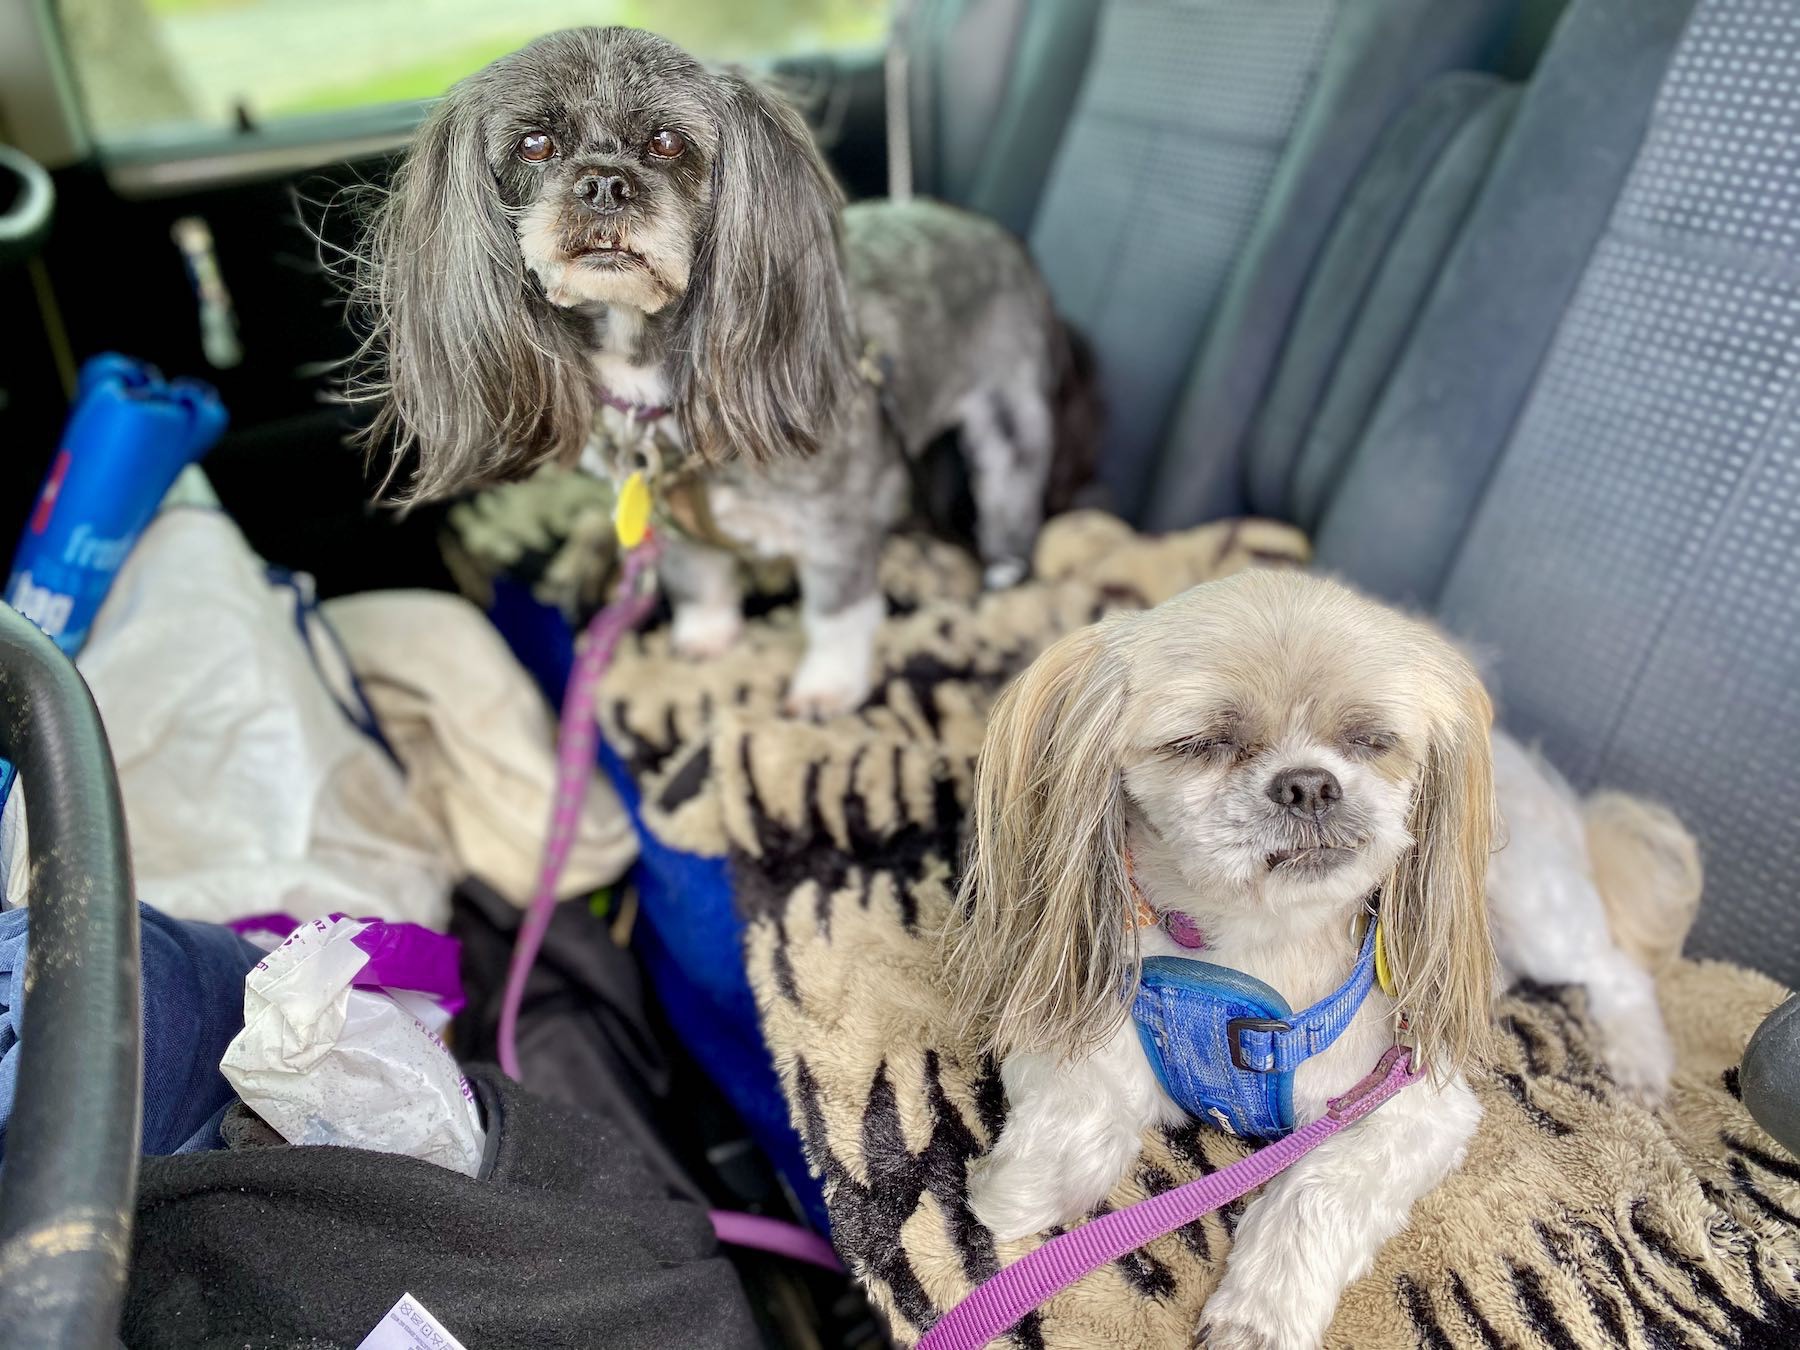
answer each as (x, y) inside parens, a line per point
(1307, 791)
(604, 192)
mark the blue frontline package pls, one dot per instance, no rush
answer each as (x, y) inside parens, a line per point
(129, 434)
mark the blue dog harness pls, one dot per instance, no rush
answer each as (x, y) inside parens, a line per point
(1225, 1045)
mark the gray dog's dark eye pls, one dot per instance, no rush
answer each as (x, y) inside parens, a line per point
(666, 144)
(535, 147)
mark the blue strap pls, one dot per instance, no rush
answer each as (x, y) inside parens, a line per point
(1284, 1047)
(345, 690)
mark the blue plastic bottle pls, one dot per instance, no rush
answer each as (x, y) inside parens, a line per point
(128, 436)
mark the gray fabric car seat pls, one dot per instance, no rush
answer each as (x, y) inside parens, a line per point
(1587, 460)
(991, 86)
(1209, 133)
(961, 57)
(1365, 294)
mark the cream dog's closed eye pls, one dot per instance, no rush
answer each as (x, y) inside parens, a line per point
(1270, 751)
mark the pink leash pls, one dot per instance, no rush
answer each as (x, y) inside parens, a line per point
(575, 744)
(998, 1303)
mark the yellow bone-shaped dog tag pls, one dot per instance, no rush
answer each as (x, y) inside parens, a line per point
(1384, 975)
(631, 513)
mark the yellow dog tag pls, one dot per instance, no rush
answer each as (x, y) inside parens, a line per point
(631, 513)
(1384, 975)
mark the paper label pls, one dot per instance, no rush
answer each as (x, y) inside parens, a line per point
(408, 1326)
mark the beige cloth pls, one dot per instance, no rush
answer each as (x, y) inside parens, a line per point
(248, 790)
(476, 737)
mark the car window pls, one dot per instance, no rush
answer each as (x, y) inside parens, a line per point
(151, 67)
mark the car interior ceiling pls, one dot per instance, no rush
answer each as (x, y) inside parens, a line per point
(1345, 289)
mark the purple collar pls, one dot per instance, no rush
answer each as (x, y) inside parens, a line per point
(637, 412)
(1183, 931)
(1181, 928)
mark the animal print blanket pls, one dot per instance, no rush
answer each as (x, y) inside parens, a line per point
(1580, 1218)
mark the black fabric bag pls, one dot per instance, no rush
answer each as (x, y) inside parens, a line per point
(568, 1238)
(584, 1036)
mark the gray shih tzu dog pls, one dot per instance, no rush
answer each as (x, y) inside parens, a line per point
(601, 251)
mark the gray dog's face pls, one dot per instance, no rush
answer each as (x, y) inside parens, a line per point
(603, 147)
(601, 167)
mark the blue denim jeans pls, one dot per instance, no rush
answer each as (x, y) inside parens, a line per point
(193, 1004)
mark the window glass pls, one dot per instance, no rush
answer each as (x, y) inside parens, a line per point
(149, 66)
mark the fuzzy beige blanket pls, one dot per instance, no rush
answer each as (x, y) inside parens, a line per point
(1580, 1219)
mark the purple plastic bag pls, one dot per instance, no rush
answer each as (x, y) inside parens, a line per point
(401, 955)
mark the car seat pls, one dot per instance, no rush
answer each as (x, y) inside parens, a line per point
(1206, 138)
(1584, 460)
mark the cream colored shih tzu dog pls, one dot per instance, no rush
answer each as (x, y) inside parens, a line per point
(1243, 775)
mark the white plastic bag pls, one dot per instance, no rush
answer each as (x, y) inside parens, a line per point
(247, 788)
(326, 1059)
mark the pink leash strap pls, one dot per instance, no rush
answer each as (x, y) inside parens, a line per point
(575, 746)
(995, 1305)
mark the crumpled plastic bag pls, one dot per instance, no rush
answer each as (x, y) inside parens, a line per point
(340, 1043)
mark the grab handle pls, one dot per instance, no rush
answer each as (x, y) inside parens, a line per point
(68, 1186)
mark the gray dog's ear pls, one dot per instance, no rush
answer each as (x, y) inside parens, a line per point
(765, 337)
(465, 363)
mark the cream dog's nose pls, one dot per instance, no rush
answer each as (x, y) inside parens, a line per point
(1307, 792)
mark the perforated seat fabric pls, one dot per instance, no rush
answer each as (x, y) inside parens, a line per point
(1589, 458)
(1173, 144)
(1207, 130)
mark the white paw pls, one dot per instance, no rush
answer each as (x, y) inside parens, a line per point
(701, 632)
(1232, 1336)
(1229, 1322)
(824, 687)
(1639, 1056)
(1003, 575)
(1011, 1200)
(834, 675)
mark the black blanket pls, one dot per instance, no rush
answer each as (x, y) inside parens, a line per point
(566, 1239)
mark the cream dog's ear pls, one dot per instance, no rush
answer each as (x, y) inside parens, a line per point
(1041, 939)
(1434, 909)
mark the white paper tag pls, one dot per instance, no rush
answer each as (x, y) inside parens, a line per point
(408, 1326)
